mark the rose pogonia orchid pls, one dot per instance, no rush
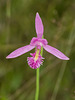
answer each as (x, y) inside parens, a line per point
(37, 42)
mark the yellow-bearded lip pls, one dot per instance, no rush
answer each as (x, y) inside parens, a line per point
(36, 55)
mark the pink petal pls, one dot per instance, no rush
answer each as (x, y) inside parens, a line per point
(55, 52)
(39, 26)
(20, 51)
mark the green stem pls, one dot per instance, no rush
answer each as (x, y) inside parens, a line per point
(37, 79)
(37, 84)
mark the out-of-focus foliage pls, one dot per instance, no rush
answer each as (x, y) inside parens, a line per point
(17, 27)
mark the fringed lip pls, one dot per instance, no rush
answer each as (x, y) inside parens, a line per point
(34, 64)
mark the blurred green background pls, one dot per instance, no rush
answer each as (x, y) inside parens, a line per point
(17, 27)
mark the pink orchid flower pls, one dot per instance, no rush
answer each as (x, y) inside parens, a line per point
(37, 42)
